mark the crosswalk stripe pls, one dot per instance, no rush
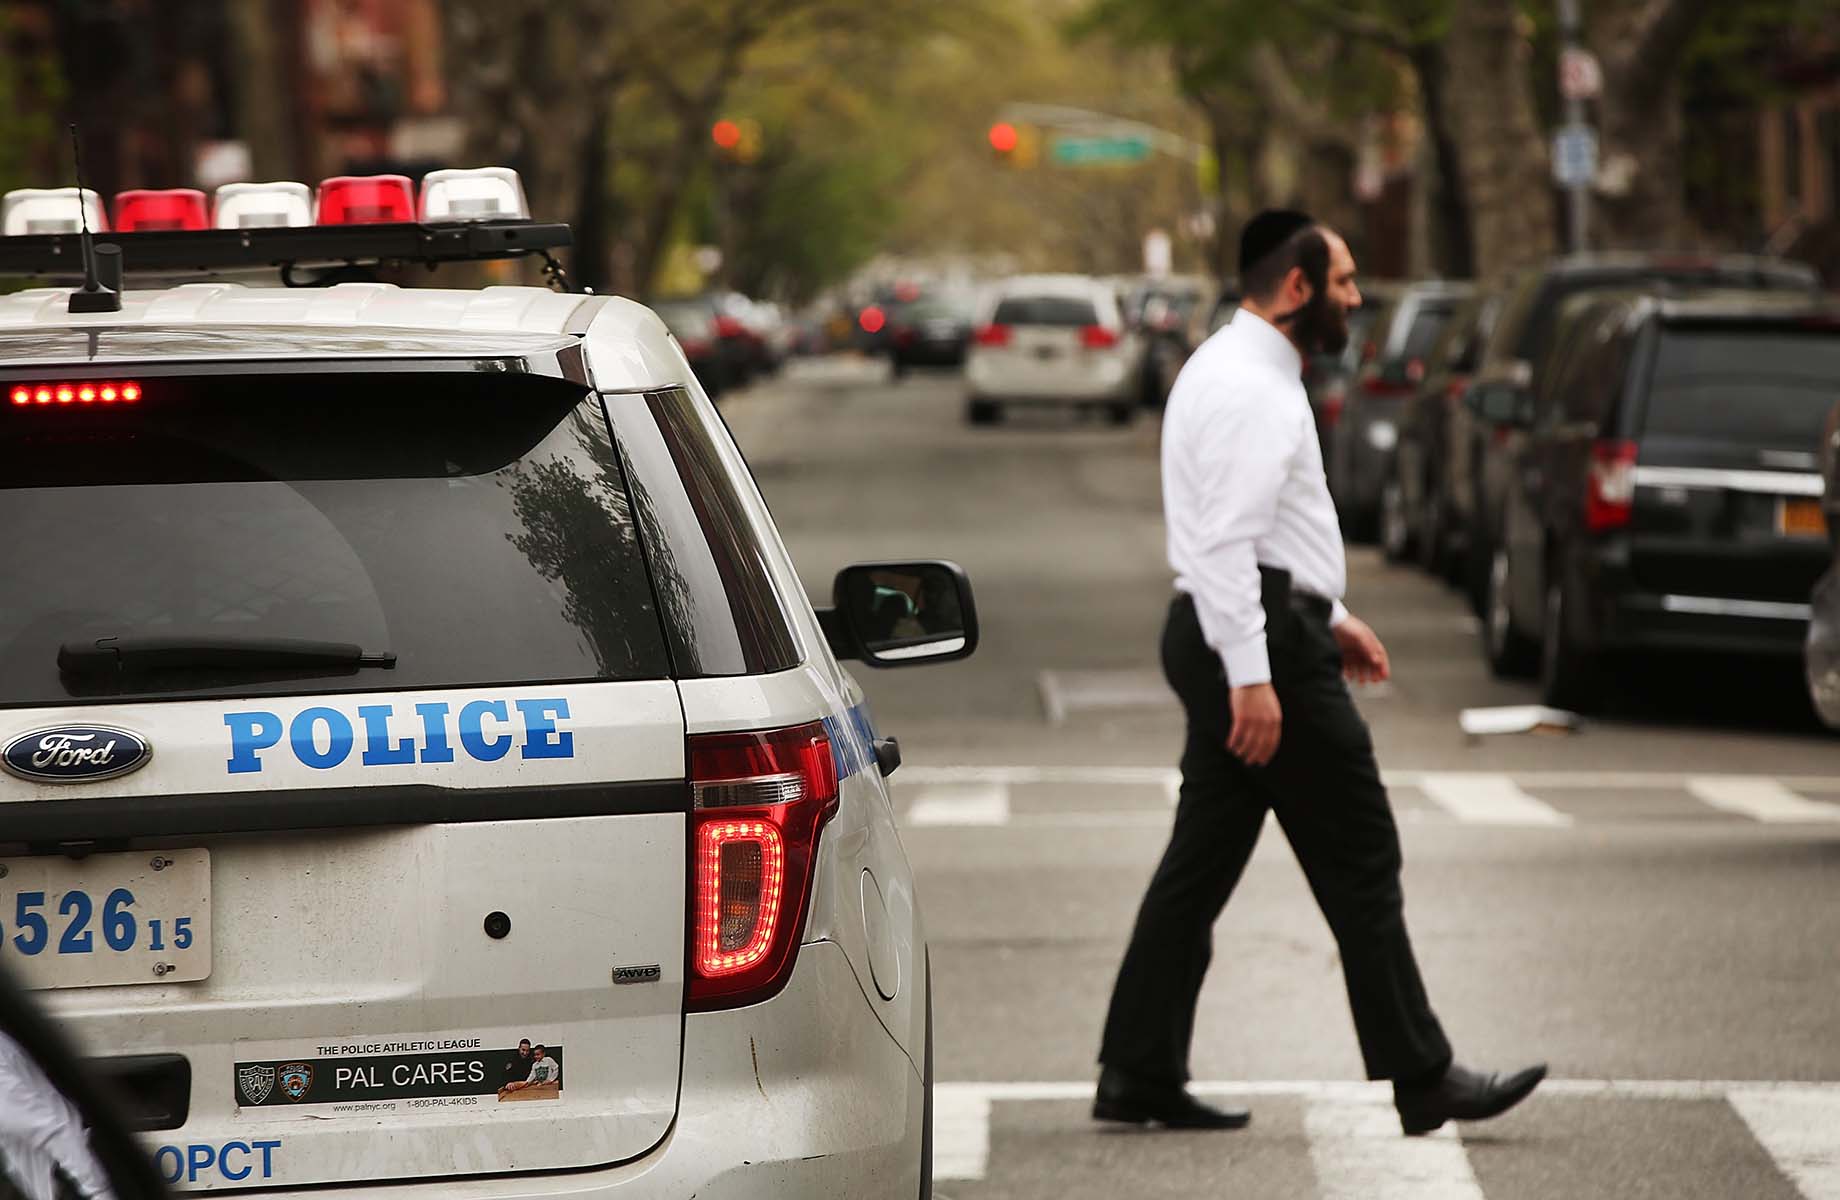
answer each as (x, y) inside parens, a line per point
(961, 804)
(1489, 800)
(1800, 1128)
(1760, 799)
(1360, 1154)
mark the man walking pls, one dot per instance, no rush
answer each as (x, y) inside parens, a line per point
(1256, 646)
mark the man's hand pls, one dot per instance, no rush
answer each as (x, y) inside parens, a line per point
(1257, 724)
(1363, 657)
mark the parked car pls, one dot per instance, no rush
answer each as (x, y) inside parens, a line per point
(1664, 494)
(928, 333)
(1326, 376)
(1211, 310)
(1056, 341)
(1523, 334)
(1425, 433)
(693, 324)
(1821, 650)
(1364, 432)
(1161, 310)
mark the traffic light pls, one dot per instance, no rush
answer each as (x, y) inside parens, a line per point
(737, 141)
(1014, 145)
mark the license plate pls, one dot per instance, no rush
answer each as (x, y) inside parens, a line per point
(106, 919)
(1046, 353)
(1801, 518)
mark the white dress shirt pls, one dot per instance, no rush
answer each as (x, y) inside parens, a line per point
(1243, 485)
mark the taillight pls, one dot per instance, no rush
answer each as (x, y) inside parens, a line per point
(1098, 337)
(1610, 489)
(904, 336)
(729, 327)
(993, 335)
(1335, 399)
(872, 319)
(75, 392)
(758, 803)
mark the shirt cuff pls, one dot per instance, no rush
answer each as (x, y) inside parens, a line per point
(1246, 662)
(1338, 612)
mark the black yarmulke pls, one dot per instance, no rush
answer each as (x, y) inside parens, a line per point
(1267, 231)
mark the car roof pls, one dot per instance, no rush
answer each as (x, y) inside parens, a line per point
(1053, 285)
(628, 346)
(1612, 261)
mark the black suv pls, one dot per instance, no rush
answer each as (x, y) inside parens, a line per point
(1664, 494)
(1519, 346)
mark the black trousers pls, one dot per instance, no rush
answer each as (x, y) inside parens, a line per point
(1325, 788)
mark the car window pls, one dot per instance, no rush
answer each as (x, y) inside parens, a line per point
(1536, 336)
(1427, 324)
(1752, 386)
(1046, 310)
(476, 527)
(722, 614)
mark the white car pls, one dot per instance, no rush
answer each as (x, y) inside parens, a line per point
(1056, 341)
(425, 773)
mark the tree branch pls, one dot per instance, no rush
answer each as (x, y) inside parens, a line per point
(1310, 120)
(1362, 26)
(1649, 44)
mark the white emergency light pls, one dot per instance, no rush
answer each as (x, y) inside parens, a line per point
(480, 194)
(264, 205)
(50, 210)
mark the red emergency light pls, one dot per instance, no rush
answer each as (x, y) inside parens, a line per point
(366, 200)
(167, 208)
(75, 392)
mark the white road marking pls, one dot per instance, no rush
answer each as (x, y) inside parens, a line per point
(961, 1132)
(1760, 799)
(1359, 1150)
(1065, 692)
(960, 804)
(1360, 1154)
(1489, 800)
(1800, 1128)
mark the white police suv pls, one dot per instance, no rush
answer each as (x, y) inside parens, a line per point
(425, 773)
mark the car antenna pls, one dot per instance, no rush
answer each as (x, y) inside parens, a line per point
(101, 264)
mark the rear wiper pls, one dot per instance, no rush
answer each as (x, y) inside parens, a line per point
(127, 655)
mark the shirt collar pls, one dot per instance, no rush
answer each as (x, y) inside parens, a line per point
(1267, 343)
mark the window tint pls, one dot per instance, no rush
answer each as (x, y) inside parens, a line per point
(1756, 386)
(1427, 325)
(1045, 310)
(722, 615)
(478, 527)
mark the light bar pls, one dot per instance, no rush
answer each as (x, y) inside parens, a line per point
(480, 194)
(366, 200)
(279, 205)
(74, 392)
(172, 208)
(27, 211)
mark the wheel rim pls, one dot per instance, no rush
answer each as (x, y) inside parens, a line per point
(1498, 601)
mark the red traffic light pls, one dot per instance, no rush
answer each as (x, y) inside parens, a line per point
(726, 134)
(1003, 137)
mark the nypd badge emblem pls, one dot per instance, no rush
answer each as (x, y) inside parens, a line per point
(296, 1079)
(254, 1083)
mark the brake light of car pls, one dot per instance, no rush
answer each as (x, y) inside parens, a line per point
(872, 319)
(74, 392)
(26, 211)
(280, 205)
(1610, 488)
(993, 335)
(730, 327)
(366, 200)
(758, 804)
(479, 194)
(1335, 399)
(905, 336)
(1098, 337)
(171, 208)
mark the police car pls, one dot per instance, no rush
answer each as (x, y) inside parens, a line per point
(425, 772)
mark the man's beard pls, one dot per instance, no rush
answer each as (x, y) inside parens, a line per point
(1321, 325)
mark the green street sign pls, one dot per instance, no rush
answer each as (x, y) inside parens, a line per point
(1098, 151)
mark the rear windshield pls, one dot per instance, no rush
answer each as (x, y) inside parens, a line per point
(1045, 310)
(1758, 387)
(1536, 339)
(477, 527)
(1427, 325)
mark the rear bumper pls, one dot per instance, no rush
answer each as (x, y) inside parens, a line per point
(1626, 616)
(1109, 382)
(803, 1095)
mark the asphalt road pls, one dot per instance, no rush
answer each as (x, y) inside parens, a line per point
(1647, 904)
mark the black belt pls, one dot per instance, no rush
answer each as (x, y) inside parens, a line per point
(1275, 584)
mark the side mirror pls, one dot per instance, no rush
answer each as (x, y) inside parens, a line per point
(901, 614)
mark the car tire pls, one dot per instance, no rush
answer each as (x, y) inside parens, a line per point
(1511, 653)
(1477, 552)
(982, 412)
(1570, 678)
(1121, 414)
(1396, 540)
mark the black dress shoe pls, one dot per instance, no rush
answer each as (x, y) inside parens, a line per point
(1462, 1095)
(1134, 1103)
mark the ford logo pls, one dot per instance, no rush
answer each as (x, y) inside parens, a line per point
(75, 754)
